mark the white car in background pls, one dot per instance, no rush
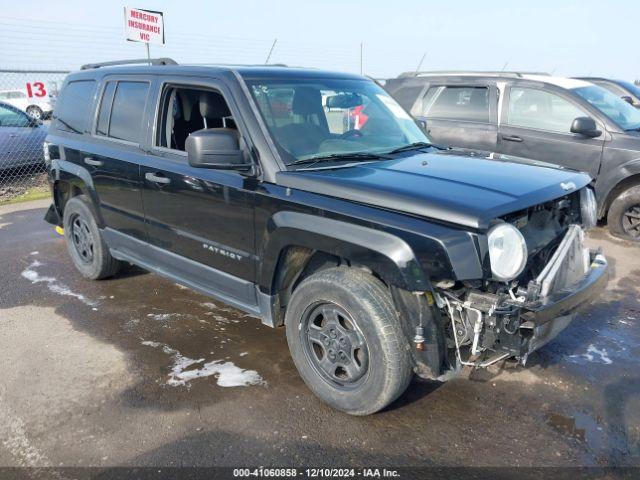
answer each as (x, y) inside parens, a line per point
(36, 107)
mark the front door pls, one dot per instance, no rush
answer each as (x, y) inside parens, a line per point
(462, 116)
(536, 124)
(201, 219)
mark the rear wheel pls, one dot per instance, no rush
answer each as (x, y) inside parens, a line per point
(346, 341)
(85, 244)
(623, 218)
(35, 112)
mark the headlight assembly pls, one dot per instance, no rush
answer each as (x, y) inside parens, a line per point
(588, 208)
(507, 251)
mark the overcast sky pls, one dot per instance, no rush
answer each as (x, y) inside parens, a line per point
(574, 37)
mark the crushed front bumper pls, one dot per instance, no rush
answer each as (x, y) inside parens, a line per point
(491, 327)
(547, 317)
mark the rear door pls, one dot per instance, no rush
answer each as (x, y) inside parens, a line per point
(201, 219)
(115, 153)
(536, 122)
(460, 115)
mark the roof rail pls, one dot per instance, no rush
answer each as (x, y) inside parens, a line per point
(147, 61)
(470, 72)
(213, 64)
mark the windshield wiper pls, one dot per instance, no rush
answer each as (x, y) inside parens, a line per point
(359, 156)
(413, 146)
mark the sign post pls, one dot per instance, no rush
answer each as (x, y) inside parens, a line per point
(146, 26)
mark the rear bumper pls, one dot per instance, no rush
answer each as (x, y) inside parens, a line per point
(549, 316)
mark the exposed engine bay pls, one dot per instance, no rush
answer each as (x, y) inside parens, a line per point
(491, 320)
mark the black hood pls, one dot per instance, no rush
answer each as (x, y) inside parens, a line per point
(465, 190)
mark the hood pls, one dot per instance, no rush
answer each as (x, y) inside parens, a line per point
(465, 190)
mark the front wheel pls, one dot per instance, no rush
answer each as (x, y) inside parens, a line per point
(346, 340)
(623, 218)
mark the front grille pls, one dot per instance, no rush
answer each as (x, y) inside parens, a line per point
(567, 266)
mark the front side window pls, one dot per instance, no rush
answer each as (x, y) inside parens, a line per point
(10, 117)
(73, 107)
(310, 118)
(532, 108)
(619, 111)
(185, 110)
(127, 111)
(456, 103)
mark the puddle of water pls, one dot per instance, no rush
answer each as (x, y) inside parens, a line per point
(52, 284)
(227, 373)
(604, 444)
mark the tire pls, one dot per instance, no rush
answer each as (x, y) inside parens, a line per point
(623, 218)
(35, 112)
(364, 364)
(85, 244)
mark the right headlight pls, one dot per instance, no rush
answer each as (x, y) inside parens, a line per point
(507, 251)
(588, 208)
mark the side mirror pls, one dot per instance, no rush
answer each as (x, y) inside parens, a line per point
(215, 148)
(422, 125)
(585, 126)
(627, 99)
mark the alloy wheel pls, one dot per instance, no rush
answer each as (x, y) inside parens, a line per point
(631, 221)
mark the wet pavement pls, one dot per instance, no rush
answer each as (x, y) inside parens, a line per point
(136, 371)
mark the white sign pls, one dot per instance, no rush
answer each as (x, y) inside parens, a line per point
(144, 26)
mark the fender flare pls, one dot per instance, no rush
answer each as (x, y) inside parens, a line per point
(63, 170)
(610, 182)
(386, 254)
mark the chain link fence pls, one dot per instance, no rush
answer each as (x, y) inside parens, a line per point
(27, 98)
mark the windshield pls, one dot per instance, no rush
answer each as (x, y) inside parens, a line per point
(612, 106)
(313, 118)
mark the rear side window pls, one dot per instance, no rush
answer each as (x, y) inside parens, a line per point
(407, 96)
(74, 105)
(105, 109)
(457, 103)
(122, 109)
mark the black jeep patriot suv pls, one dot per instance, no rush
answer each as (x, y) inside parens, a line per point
(313, 200)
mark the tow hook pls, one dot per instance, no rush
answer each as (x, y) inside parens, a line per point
(60, 230)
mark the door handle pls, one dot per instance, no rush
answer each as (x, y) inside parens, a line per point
(511, 138)
(93, 162)
(152, 177)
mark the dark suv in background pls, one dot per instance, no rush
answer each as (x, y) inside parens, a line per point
(312, 200)
(563, 121)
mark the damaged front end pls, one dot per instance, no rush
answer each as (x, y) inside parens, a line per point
(492, 320)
